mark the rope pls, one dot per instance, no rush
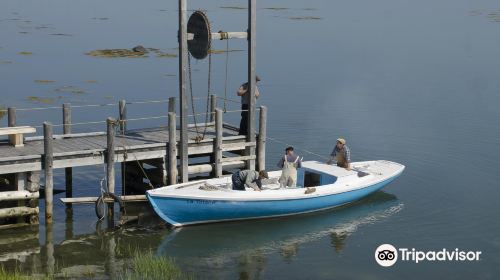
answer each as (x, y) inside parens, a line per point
(297, 147)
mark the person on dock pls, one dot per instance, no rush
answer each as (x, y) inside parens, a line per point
(242, 91)
(289, 164)
(341, 154)
(248, 178)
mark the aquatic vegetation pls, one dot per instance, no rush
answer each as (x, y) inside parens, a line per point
(5, 62)
(100, 18)
(25, 53)
(23, 32)
(113, 53)
(305, 18)
(37, 99)
(70, 89)
(44, 81)
(276, 8)
(149, 266)
(61, 34)
(233, 7)
(91, 81)
(165, 55)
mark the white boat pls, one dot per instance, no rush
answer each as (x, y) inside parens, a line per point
(320, 187)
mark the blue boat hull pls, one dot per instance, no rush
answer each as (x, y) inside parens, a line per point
(181, 211)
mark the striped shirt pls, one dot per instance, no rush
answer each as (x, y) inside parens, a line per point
(346, 150)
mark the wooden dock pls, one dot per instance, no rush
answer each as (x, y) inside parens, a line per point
(146, 154)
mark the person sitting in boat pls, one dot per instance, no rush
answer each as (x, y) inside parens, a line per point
(289, 164)
(248, 178)
(341, 154)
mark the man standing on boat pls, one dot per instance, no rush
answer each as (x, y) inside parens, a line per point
(341, 154)
(248, 178)
(242, 91)
(289, 164)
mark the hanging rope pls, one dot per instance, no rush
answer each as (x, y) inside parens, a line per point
(297, 147)
(200, 136)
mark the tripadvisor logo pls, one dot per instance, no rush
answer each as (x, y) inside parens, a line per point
(387, 255)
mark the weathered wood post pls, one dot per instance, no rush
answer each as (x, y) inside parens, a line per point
(171, 104)
(183, 61)
(11, 122)
(49, 174)
(68, 171)
(261, 143)
(110, 161)
(172, 149)
(252, 35)
(122, 110)
(213, 106)
(218, 143)
(122, 114)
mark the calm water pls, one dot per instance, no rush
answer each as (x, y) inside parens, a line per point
(415, 82)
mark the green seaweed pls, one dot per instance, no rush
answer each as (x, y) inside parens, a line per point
(44, 81)
(305, 18)
(61, 34)
(233, 7)
(223, 51)
(25, 53)
(70, 89)
(113, 53)
(5, 62)
(276, 8)
(36, 99)
(91, 82)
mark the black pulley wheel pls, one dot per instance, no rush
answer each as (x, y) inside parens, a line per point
(199, 26)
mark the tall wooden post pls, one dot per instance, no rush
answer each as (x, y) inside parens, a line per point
(172, 149)
(110, 161)
(261, 143)
(171, 104)
(11, 122)
(183, 59)
(49, 175)
(218, 144)
(68, 171)
(252, 17)
(122, 111)
(213, 105)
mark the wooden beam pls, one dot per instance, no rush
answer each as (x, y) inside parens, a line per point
(17, 195)
(172, 149)
(89, 200)
(110, 161)
(223, 35)
(18, 211)
(68, 171)
(49, 174)
(183, 59)
(213, 106)
(261, 142)
(244, 158)
(236, 146)
(218, 143)
(252, 36)
(122, 112)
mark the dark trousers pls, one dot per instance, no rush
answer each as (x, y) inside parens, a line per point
(244, 120)
(237, 183)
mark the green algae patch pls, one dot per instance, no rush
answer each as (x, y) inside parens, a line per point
(305, 18)
(70, 89)
(223, 51)
(276, 8)
(36, 99)
(91, 81)
(233, 7)
(24, 53)
(114, 53)
(44, 81)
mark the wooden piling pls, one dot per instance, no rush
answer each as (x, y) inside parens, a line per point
(122, 111)
(110, 161)
(183, 62)
(68, 171)
(218, 143)
(49, 174)
(11, 122)
(172, 149)
(171, 104)
(261, 142)
(213, 106)
(252, 19)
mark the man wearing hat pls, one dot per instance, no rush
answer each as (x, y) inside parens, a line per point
(242, 91)
(248, 178)
(341, 154)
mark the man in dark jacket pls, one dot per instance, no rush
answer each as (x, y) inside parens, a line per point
(249, 179)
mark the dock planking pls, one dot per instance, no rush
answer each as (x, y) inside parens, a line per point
(88, 149)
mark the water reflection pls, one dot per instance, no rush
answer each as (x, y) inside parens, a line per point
(247, 245)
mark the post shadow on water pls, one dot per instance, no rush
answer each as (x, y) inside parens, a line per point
(247, 244)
